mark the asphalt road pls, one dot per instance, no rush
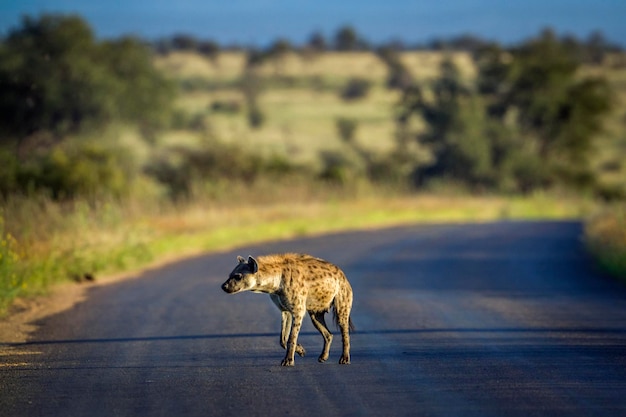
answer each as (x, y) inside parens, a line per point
(503, 319)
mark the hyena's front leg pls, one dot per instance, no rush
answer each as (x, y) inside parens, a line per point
(285, 325)
(286, 330)
(293, 338)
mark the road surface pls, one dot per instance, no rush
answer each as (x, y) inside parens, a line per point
(501, 319)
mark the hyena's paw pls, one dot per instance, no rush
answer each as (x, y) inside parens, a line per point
(300, 350)
(287, 362)
(344, 360)
(322, 358)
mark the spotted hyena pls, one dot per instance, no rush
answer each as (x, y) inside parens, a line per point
(298, 284)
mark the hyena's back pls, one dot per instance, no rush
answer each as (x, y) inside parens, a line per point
(320, 280)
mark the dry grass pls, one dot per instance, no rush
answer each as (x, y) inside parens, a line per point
(336, 65)
(109, 237)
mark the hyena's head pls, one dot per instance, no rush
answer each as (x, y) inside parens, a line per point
(243, 276)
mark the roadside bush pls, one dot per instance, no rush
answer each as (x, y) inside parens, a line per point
(341, 168)
(87, 170)
(605, 237)
(181, 169)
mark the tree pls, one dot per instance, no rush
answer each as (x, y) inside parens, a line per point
(399, 77)
(184, 42)
(142, 95)
(251, 86)
(317, 42)
(597, 47)
(279, 48)
(346, 39)
(278, 52)
(47, 77)
(55, 77)
(209, 48)
(556, 108)
(456, 133)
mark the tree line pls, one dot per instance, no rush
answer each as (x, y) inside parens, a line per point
(592, 49)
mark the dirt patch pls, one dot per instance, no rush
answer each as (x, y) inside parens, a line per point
(18, 323)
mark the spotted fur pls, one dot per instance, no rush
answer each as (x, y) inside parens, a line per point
(298, 284)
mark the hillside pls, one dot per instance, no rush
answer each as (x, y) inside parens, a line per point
(300, 98)
(301, 102)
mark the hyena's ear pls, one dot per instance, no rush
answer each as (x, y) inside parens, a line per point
(241, 260)
(254, 267)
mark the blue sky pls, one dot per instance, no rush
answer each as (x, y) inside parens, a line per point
(261, 21)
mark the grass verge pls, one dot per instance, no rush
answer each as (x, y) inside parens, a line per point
(105, 240)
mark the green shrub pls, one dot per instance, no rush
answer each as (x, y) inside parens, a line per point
(88, 170)
(181, 169)
(346, 127)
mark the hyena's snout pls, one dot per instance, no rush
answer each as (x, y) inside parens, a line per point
(236, 283)
(230, 286)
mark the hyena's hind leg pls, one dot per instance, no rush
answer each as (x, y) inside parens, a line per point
(286, 330)
(343, 306)
(320, 325)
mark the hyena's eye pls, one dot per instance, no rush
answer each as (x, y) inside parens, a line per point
(237, 276)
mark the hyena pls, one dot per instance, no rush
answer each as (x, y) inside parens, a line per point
(297, 284)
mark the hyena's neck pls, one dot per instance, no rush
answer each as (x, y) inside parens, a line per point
(267, 281)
